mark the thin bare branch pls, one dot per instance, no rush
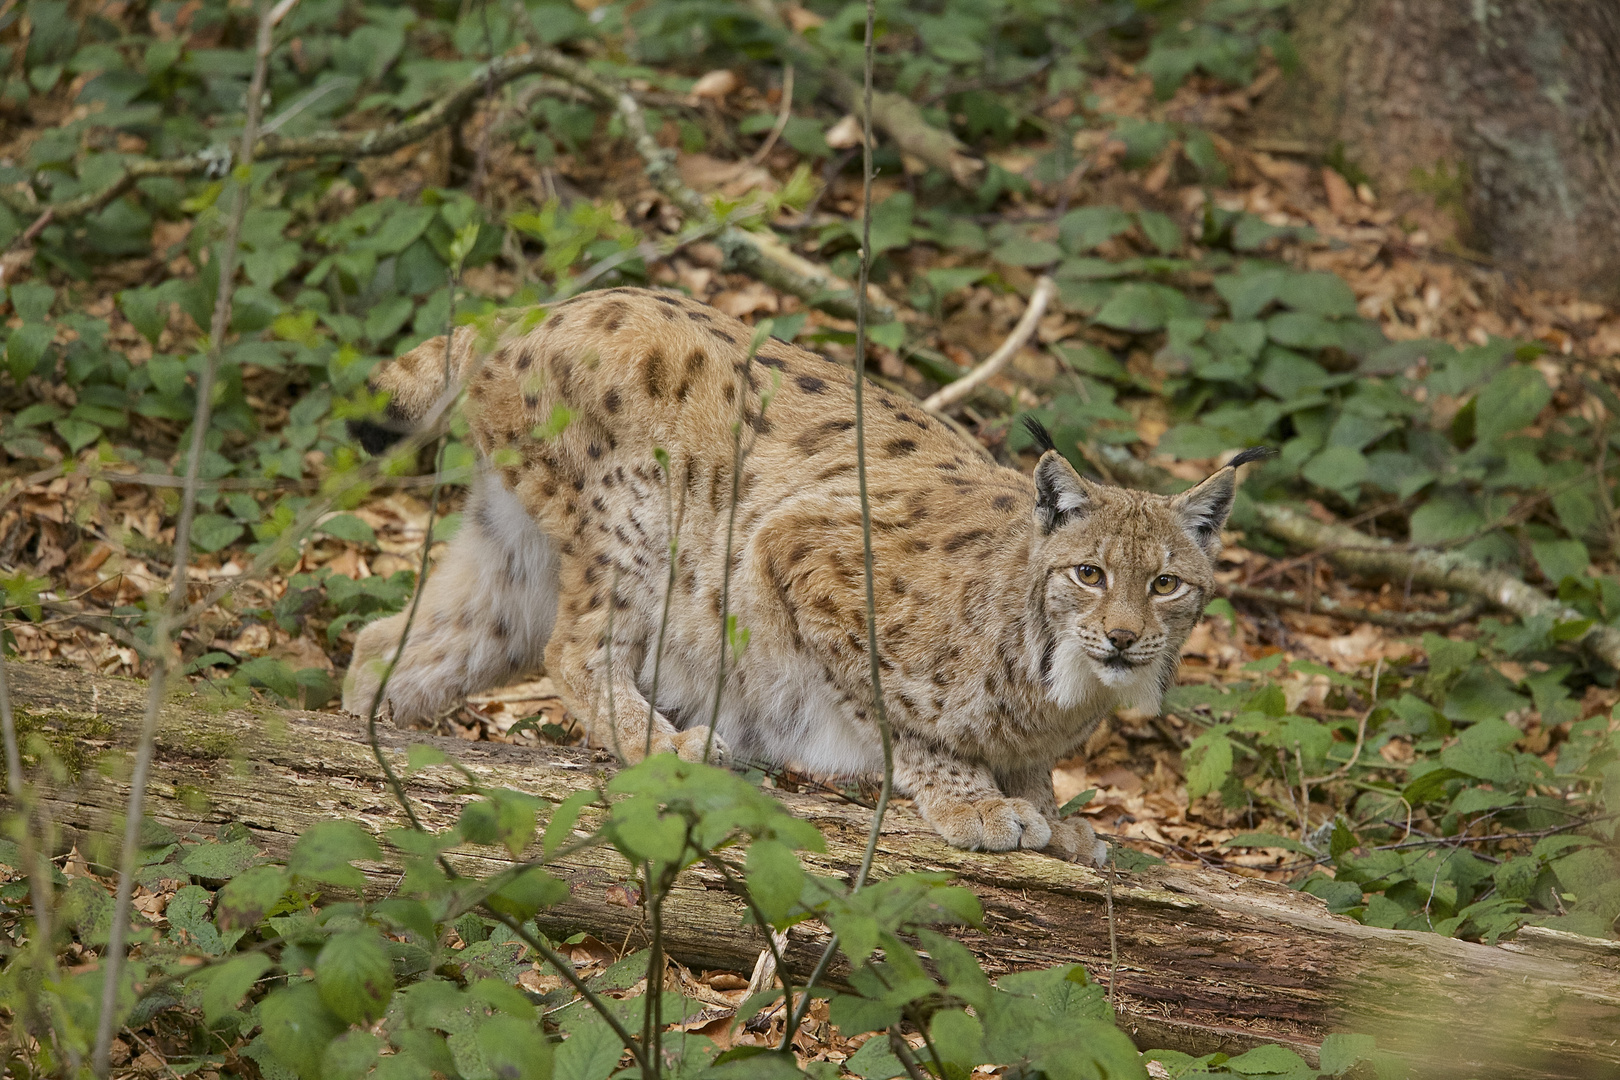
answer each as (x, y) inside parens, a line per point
(164, 658)
(950, 394)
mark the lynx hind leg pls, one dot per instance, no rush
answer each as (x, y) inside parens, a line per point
(484, 616)
(606, 699)
(964, 803)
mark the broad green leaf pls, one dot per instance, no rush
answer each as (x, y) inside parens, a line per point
(219, 861)
(958, 1038)
(350, 528)
(323, 853)
(891, 223)
(1560, 559)
(561, 826)
(875, 1061)
(1081, 230)
(1143, 306)
(355, 976)
(1209, 762)
(298, 1026)
(221, 986)
(591, 1052)
(350, 1056)
(1318, 293)
(528, 893)
(78, 434)
(249, 896)
(1510, 401)
(211, 532)
(1269, 840)
(1267, 1060)
(1161, 230)
(775, 879)
(1021, 251)
(1338, 468)
(1074, 805)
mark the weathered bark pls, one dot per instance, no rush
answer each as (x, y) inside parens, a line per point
(1207, 960)
(1522, 95)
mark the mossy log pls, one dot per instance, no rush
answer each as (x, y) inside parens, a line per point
(1207, 960)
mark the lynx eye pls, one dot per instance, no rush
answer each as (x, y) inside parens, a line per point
(1087, 574)
(1165, 584)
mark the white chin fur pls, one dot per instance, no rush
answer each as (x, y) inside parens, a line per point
(1079, 679)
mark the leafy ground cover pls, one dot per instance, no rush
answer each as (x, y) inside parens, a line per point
(1215, 291)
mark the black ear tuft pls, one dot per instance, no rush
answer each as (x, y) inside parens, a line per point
(1038, 432)
(1254, 453)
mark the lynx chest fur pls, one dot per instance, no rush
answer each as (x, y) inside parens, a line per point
(631, 428)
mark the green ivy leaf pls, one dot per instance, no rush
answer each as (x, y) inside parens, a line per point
(1161, 230)
(1081, 230)
(350, 528)
(1142, 307)
(591, 1052)
(528, 893)
(775, 879)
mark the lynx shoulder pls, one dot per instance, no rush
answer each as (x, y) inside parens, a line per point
(629, 427)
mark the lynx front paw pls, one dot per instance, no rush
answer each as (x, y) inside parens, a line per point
(1074, 840)
(690, 745)
(991, 824)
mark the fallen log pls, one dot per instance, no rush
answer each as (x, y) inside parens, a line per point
(1207, 960)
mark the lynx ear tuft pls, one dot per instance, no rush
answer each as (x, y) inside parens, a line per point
(1060, 494)
(1037, 432)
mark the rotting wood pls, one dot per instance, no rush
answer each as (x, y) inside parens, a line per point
(1208, 960)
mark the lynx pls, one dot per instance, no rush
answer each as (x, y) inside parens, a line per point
(1013, 613)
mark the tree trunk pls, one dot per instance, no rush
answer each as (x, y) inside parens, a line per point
(1207, 960)
(1507, 110)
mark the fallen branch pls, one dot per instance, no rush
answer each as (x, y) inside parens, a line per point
(1207, 961)
(1326, 605)
(953, 392)
(1371, 556)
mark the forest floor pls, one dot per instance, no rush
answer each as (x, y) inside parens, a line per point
(1397, 250)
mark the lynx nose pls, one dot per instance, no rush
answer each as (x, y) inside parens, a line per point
(1122, 639)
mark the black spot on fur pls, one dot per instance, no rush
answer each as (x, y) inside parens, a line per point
(899, 447)
(654, 374)
(700, 316)
(610, 401)
(1003, 502)
(810, 384)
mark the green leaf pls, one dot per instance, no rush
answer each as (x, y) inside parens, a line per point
(1021, 251)
(891, 223)
(211, 532)
(1318, 293)
(1510, 401)
(350, 528)
(1142, 306)
(32, 301)
(250, 895)
(351, 1056)
(775, 879)
(1161, 230)
(514, 1049)
(77, 433)
(324, 851)
(421, 755)
(1267, 1060)
(219, 861)
(1074, 805)
(1269, 840)
(1081, 230)
(875, 1061)
(355, 976)
(1341, 1051)
(591, 1052)
(560, 828)
(220, 986)
(1338, 468)
(945, 280)
(1210, 761)
(298, 1026)
(958, 1038)
(528, 893)
(1560, 559)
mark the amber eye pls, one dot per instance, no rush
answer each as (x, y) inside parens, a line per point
(1088, 574)
(1165, 584)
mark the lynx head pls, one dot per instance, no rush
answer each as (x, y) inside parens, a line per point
(1127, 575)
